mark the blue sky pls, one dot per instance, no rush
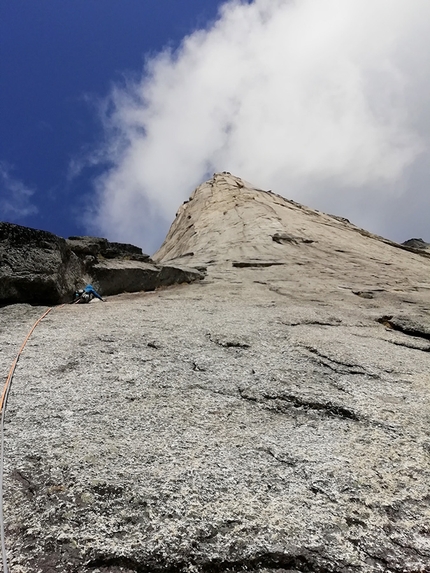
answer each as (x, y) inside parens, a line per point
(112, 111)
(58, 58)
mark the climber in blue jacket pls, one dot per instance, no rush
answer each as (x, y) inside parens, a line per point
(86, 295)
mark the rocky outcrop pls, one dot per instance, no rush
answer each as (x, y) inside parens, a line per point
(98, 247)
(36, 266)
(417, 244)
(271, 418)
(115, 276)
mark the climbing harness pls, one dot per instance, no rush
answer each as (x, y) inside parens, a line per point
(3, 402)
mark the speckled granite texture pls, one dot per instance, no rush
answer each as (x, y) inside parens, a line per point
(271, 417)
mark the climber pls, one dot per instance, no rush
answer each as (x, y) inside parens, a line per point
(86, 295)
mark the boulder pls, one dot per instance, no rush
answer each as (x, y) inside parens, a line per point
(36, 267)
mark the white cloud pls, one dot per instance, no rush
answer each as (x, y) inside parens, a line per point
(322, 101)
(15, 196)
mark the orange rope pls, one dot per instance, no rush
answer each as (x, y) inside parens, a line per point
(15, 362)
(3, 400)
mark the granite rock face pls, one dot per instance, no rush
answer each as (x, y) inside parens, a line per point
(116, 276)
(114, 268)
(98, 247)
(272, 417)
(36, 266)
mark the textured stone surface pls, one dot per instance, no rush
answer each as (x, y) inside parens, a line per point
(97, 246)
(417, 244)
(115, 276)
(272, 417)
(176, 274)
(36, 266)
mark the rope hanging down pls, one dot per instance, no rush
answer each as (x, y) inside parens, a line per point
(3, 402)
(15, 362)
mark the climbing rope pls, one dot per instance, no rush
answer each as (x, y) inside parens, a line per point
(3, 402)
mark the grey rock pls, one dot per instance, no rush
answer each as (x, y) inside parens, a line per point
(416, 244)
(417, 326)
(114, 268)
(171, 274)
(99, 247)
(36, 267)
(265, 419)
(342, 219)
(112, 277)
(83, 246)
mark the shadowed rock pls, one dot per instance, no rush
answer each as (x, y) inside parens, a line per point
(416, 244)
(116, 276)
(36, 266)
(96, 246)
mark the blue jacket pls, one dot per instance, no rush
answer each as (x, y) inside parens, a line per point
(90, 290)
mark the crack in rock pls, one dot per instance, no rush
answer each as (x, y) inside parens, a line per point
(291, 401)
(410, 549)
(316, 488)
(285, 238)
(333, 364)
(312, 322)
(280, 457)
(27, 485)
(271, 560)
(407, 325)
(121, 563)
(363, 293)
(244, 264)
(409, 345)
(229, 341)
